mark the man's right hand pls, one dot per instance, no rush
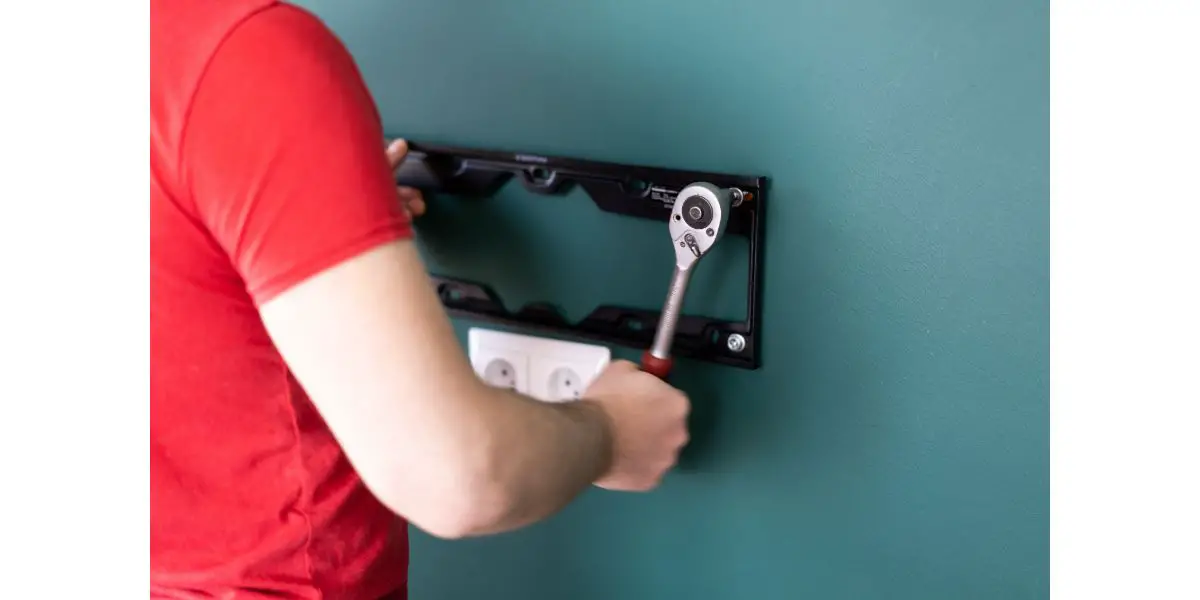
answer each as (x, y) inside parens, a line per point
(648, 421)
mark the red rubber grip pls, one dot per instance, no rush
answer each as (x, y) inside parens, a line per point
(658, 367)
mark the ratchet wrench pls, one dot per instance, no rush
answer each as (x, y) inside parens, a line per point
(697, 221)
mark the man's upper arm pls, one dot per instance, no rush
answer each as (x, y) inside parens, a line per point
(284, 160)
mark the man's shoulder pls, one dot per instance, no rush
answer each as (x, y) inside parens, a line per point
(180, 29)
(184, 34)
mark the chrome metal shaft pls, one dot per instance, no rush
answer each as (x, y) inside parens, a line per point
(665, 333)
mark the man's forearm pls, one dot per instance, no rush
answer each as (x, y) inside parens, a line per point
(541, 455)
(373, 347)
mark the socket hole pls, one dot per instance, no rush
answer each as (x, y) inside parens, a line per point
(540, 174)
(562, 384)
(499, 373)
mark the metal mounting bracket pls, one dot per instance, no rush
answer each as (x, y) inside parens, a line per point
(638, 191)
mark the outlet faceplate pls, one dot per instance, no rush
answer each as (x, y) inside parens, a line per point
(546, 369)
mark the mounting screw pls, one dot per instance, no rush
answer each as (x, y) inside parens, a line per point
(736, 342)
(682, 244)
(738, 196)
(709, 232)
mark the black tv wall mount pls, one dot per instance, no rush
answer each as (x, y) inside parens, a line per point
(637, 191)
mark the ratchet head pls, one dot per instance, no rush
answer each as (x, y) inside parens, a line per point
(698, 221)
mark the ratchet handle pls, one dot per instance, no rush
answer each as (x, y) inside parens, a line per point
(658, 367)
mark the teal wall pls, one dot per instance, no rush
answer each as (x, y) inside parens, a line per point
(895, 443)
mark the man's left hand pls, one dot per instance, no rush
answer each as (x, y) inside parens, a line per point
(411, 198)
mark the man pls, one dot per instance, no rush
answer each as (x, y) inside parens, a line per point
(306, 386)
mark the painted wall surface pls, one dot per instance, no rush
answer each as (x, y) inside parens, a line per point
(895, 443)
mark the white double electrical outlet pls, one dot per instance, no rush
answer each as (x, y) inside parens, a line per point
(542, 368)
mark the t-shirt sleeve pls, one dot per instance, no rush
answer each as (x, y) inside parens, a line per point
(283, 156)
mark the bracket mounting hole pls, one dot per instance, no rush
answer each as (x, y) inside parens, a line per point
(450, 293)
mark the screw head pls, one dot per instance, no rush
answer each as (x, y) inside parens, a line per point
(710, 232)
(737, 196)
(736, 342)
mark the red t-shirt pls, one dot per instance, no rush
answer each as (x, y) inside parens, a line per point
(266, 167)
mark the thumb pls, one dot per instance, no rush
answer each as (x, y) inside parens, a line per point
(396, 152)
(622, 365)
